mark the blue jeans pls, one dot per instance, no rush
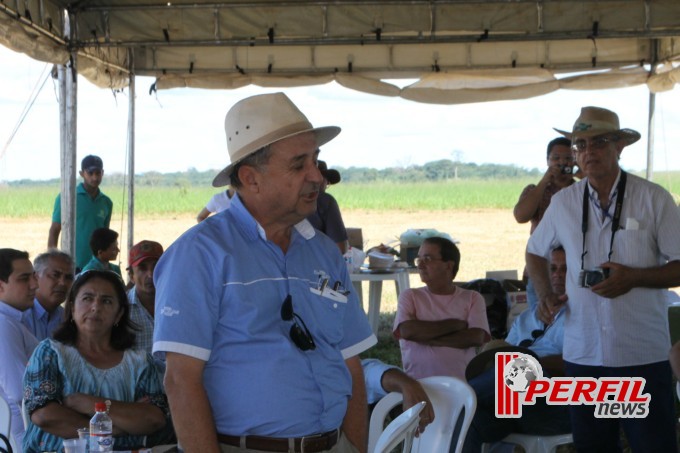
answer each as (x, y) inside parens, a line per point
(656, 433)
(539, 419)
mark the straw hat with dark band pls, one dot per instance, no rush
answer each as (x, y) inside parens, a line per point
(258, 121)
(597, 121)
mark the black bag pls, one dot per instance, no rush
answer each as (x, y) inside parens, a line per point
(496, 304)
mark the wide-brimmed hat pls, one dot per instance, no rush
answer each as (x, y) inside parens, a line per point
(597, 121)
(261, 120)
(332, 176)
(486, 358)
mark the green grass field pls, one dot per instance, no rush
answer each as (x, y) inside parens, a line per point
(30, 201)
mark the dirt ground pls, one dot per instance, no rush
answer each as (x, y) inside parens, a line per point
(490, 239)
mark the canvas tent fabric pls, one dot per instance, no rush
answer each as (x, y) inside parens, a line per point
(521, 48)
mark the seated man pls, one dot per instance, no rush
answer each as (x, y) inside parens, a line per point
(104, 246)
(17, 289)
(545, 342)
(382, 379)
(54, 270)
(439, 326)
(142, 260)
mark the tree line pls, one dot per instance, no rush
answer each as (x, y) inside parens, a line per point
(439, 170)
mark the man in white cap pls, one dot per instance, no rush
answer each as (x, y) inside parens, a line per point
(253, 309)
(621, 235)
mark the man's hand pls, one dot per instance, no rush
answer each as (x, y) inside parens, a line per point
(549, 306)
(621, 280)
(414, 393)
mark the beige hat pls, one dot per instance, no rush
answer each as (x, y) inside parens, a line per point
(597, 121)
(261, 120)
(486, 358)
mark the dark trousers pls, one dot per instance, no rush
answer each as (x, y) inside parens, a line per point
(655, 433)
(539, 419)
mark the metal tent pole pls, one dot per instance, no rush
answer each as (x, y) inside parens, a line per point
(131, 156)
(68, 103)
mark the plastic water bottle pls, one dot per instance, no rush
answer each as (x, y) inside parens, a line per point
(101, 429)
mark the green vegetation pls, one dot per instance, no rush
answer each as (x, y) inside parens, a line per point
(156, 196)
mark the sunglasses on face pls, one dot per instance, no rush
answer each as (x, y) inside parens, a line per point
(299, 334)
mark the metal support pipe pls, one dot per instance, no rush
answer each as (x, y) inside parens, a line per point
(68, 93)
(650, 136)
(131, 155)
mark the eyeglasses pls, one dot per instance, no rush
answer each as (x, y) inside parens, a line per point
(300, 335)
(535, 335)
(596, 143)
(427, 259)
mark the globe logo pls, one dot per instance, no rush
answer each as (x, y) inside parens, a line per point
(521, 371)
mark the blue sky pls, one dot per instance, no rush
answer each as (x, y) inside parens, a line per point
(182, 128)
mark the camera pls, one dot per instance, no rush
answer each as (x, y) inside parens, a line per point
(566, 169)
(589, 278)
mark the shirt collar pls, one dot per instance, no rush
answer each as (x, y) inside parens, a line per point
(9, 311)
(252, 229)
(612, 193)
(38, 309)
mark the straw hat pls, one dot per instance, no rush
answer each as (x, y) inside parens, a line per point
(597, 121)
(261, 120)
(486, 358)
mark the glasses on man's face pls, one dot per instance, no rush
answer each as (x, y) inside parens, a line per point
(427, 259)
(300, 335)
(595, 143)
(535, 335)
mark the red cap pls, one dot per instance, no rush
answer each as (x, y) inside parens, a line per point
(144, 250)
(100, 407)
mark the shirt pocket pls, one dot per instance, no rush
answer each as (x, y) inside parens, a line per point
(635, 248)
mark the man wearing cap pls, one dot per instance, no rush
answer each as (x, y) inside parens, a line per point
(528, 335)
(142, 260)
(327, 217)
(93, 210)
(621, 235)
(54, 270)
(255, 313)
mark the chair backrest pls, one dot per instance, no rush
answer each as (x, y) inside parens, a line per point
(451, 399)
(5, 425)
(24, 414)
(401, 429)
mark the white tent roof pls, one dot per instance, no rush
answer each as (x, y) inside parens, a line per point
(461, 50)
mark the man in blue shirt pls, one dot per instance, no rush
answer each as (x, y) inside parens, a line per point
(255, 312)
(17, 289)
(54, 270)
(93, 210)
(545, 341)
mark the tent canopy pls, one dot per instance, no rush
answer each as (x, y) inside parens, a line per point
(460, 50)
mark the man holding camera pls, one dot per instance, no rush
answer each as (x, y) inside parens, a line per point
(622, 238)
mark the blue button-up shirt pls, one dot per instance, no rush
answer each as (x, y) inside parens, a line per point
(16, 346)
(219, 291)
(41, 323)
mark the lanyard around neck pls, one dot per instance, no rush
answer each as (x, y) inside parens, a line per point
(620, 189)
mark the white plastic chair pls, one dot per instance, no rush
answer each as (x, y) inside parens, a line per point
(6, 423)
(401, 429)
(534, 443)
(450, 398)
(24, 414)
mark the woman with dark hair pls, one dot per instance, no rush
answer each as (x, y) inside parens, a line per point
(90, 360)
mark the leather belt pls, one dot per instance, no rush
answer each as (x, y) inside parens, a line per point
(307, 444)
